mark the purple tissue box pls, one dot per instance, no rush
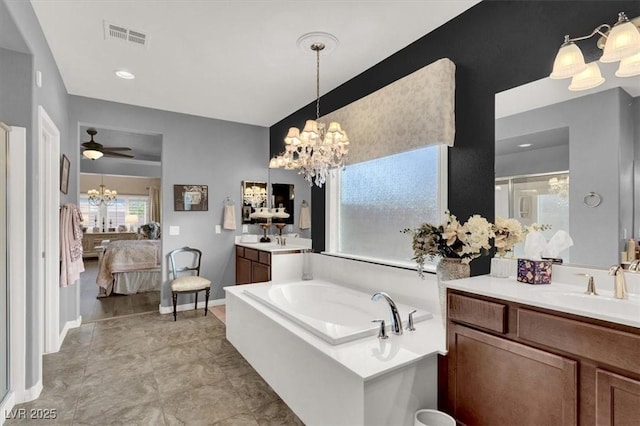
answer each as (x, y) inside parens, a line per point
(534, 271)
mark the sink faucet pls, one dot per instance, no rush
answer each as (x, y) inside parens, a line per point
(281, 240)
(396, 322)
(619, 284)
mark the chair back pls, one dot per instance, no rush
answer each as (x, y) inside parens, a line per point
(176, 261)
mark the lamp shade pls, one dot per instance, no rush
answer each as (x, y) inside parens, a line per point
(131, 219)
(587, 79)
(629, 66)
(623, 41)
(92, 154)
(569, 61)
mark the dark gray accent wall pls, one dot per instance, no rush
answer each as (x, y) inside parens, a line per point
(496, 45)
(52, 96)
(195, 150)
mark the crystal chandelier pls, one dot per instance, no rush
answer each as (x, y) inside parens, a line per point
(102, 196)
(559, 186)
(255, 195)
(316, 149)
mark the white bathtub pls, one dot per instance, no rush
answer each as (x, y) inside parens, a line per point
(334, 313)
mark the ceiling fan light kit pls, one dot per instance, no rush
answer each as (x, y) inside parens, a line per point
(94, 150)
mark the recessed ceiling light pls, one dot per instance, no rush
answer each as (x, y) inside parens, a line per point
(524, 145)
(125, 74)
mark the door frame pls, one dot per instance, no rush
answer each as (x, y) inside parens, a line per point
(48, 233)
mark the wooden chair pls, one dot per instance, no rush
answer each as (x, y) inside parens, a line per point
(187, 283)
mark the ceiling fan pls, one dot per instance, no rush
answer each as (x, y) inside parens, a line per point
(95, 150)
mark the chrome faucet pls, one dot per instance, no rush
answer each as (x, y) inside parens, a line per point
(281, 240)
(619, 283)
(396, 322)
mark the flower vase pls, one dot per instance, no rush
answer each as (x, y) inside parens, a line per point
(501, 266)
(449, 269)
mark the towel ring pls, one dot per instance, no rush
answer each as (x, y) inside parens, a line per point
(592, 199)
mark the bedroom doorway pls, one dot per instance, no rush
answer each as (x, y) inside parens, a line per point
(121, 255)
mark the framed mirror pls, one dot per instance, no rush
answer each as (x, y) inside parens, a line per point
(254, 195)
(555, 147)
(283, 196)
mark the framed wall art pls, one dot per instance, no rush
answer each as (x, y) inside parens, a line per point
(64, 174)
(193, 198)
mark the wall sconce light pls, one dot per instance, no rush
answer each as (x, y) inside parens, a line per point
(619, 43)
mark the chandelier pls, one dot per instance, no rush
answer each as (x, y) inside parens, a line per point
(619, 43)
(102, 196)
(254, 195)
(559, 186)
(316, 149)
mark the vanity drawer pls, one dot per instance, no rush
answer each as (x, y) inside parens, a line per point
(482, 313)
(580, 338)
(239, 251)
(251, 254)
(264, 257)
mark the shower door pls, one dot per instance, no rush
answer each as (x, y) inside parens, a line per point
(4, 308)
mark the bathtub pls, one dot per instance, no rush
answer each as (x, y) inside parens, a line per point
(334, 313)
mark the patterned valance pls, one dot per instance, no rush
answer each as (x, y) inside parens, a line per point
(409, 113)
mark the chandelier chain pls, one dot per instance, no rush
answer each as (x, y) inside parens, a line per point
(318, 48)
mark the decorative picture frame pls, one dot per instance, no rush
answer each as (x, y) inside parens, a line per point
(190, 198)
(65, 166)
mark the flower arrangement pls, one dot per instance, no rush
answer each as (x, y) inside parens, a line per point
(452, 239)
(509, 232)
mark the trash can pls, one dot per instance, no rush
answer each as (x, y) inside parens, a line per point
(429, 417)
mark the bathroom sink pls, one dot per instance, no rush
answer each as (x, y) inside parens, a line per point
(603, 303)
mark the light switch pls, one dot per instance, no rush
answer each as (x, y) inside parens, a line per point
(289, 228)
(174, 230)
(218, 230)
(245, 229)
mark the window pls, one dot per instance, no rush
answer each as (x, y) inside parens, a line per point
(115, 214)
(370, 203)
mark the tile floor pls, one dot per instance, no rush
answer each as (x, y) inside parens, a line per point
(149, 370)
(92, 308)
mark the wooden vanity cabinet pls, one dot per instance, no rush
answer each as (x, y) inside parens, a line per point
(252, 266)
(510, 363)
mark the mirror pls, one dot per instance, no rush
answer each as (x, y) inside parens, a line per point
(282, 196)
(557, 151)
(254, 195)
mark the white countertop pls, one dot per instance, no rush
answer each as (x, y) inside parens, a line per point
(558, 296)
(368, 357)
(273, 247)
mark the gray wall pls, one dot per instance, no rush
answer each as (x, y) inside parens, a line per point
(543, 160)
(195, 150)
(53, 97)
(125, 168)
(601, 156)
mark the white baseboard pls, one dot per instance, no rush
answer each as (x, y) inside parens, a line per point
(29, 394)
(6, 405)
(68, 326)
(189, 306)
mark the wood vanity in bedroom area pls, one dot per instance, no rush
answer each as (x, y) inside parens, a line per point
(92, 240)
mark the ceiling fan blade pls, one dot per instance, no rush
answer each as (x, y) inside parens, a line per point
(116, 154)
(117, 148)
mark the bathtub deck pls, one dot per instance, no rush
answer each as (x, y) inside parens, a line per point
(349, 383)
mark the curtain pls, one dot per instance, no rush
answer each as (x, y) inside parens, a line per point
(412, 112)
(154, 204)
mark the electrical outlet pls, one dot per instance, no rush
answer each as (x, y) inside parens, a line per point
(245, 229)
(174, 230)
(218, 229)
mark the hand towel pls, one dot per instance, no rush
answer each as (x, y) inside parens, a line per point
(229, 217)
(305, 218)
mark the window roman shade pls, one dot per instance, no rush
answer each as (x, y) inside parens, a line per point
(412, 112)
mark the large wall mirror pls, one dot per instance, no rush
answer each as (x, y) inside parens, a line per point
(254, 196)
(569, 159)
(283, 196)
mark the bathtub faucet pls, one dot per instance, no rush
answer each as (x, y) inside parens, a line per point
(396, 322)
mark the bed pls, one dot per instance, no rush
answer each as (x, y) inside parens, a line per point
(129, 267)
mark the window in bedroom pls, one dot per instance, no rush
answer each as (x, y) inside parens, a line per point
(116, 213)
(371, 202)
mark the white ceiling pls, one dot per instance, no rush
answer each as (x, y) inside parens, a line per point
(231, 60)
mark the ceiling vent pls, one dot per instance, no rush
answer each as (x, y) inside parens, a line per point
(122, 34)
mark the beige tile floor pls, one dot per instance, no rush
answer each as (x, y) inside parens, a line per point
(147, 369)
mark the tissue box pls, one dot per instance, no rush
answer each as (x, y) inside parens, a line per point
(534, 271)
